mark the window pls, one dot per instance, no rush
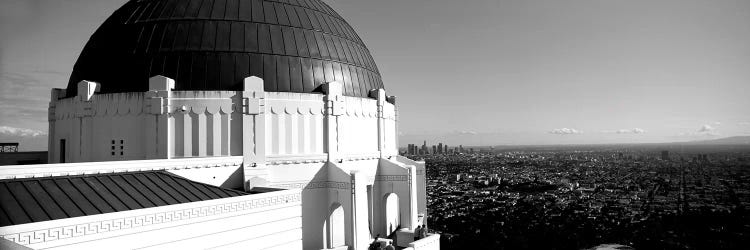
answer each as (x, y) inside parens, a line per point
(62, 150)
(118, 150)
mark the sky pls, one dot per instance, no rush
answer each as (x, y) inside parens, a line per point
(474, 72)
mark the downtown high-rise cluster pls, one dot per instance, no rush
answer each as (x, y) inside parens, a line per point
(440, 148)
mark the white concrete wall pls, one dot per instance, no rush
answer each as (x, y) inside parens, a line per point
(395, 177)
(431, 242)
(389, 114)
(294, 124)
(358, 126)
(90, 126)
(328, 183)
(331, 146)
(206, 126)
(324, 184)
(261, 221)
(421, 184)
(209, 123)
(321, 185)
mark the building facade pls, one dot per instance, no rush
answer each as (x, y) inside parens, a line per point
(277, 100)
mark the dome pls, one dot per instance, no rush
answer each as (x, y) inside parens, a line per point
(294, 45)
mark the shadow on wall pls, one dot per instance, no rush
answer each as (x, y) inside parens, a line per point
(325, 202)
(314, 205)
(235, 180)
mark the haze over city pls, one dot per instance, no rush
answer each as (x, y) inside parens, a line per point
(486, 73)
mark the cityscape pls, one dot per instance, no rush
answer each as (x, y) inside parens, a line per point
(658, 196)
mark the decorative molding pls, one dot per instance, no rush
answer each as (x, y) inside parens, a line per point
(296, 161)
(277, 107)
(136, 103)
(329, 184)
(392, 178)
(360, 107)
(281, 103)
(199, 102)
(203, 105)
(410, 175)
(115, 104)
(115, 224)
(291, 185)
(303, 159)
(313, 185)
(360, 157)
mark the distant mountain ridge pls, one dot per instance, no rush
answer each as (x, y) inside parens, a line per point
(721, 144)
(734, 140)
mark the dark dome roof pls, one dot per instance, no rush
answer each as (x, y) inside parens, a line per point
(294, 45)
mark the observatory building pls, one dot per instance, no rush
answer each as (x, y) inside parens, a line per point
(194, 124)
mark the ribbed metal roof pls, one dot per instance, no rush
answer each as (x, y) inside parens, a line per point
(294, 45)
(50, 198)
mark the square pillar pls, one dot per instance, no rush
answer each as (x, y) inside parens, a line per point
(334, 106)
(52, 147)
(158, 141)
(86, 90)
(379, 95)
(83, 138)
(413, 205)
(360, 216)
(253, 133)
(392, 100)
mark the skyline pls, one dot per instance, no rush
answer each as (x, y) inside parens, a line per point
(485, 73)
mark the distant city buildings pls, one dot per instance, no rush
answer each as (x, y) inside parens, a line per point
(439, 149)
(665, 155)
(578, 197)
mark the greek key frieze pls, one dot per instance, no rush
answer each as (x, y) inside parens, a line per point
(78, 230)
(315, 185)
(392, 178)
